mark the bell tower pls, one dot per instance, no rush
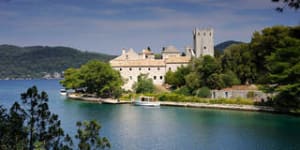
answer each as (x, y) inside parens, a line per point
(203, 42)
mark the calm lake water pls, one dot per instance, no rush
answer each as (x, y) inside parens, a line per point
(136, 128)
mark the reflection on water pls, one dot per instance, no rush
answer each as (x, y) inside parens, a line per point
(135, 127)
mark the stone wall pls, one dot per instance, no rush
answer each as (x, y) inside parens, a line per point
(256, 95)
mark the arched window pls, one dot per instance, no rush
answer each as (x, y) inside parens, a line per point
(154, 77)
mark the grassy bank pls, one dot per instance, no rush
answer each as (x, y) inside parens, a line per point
(182, 98)
(173, 97)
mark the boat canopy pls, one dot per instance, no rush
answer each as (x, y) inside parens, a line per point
(147, 98)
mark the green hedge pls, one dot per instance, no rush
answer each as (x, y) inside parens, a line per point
(182, 98)
(174, 97)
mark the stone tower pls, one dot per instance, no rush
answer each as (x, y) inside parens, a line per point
(203, 42)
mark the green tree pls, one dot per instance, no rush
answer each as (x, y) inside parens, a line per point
(184, 90)
(203, 92)
(12, 135)
(214, 81)
(177, 78)
(13, 132)
(170, 77)
(89, 136)
(266, 42)
(157, 56)
(72, 79)
(229, 78)
(17, 131)
(96, 77)
(293, 4)
(238, 59)
(193, 81)
(208, 70)
(32, 126)
(43, 126)
(284, 66)
(144, 84)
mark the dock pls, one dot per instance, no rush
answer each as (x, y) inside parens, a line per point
(97, 100)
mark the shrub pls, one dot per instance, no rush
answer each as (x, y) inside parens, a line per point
(203, 92)
(144, 84)
(183, 90)
(250, 94)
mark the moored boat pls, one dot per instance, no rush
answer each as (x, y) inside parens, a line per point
(63, 92)
(146, 101)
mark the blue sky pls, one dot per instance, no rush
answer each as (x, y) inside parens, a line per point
(107, 26)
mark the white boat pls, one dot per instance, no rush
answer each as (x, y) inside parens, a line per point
(63, 92)
(146, 101)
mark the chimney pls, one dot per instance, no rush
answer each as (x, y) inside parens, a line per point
(123, 51)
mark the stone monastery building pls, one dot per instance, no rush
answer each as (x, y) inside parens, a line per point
(131, 64)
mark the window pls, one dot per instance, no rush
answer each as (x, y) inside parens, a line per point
(140, 69)
(120, 69)
(158, 68)
(161, 77)
(154, 77)
(226, 94)
(148, 68)
(130, 77)
(130, 69)
(169, 68)
(126, 56)
(204, 47)
(199, 33)
(204, 34)
(209, 33)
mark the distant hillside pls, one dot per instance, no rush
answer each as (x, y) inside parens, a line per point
(38, 61)
(221, 46)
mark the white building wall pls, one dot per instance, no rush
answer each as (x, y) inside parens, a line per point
(173, 67)
(130, 75)
(168, 55)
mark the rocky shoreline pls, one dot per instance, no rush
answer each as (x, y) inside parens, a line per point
(221, 106)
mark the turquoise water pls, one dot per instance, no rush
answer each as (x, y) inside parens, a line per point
(136, 128)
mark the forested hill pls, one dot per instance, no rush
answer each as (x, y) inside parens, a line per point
(221, 46)
(41, 61)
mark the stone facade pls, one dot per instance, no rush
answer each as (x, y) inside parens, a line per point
(132, 64)
(203, 42)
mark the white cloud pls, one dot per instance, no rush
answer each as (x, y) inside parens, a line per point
(154, 25)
